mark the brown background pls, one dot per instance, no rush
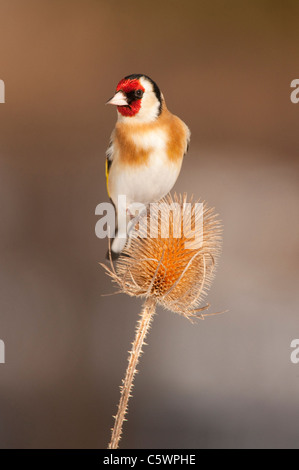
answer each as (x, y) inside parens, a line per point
(225, 68)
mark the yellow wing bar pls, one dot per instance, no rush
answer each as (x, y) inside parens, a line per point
(107, 174)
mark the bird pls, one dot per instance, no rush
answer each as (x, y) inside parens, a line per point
(145, 152)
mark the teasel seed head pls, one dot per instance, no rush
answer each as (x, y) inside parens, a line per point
(171, 255)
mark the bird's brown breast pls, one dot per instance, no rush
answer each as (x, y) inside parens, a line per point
(129, 153)
(176, 135)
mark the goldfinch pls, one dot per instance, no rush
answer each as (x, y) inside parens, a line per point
(146, 149)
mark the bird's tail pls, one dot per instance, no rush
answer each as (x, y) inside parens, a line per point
(117, 246)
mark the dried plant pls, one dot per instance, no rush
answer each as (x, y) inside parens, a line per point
(174, 271)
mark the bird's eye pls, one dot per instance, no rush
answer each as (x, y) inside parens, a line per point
(138, 93)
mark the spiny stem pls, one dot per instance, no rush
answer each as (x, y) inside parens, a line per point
(142, 329)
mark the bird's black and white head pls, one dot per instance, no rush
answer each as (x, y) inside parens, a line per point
(138, 98)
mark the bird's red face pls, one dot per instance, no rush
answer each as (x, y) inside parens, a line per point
(134, 92)
(138, 97)
(128, 97)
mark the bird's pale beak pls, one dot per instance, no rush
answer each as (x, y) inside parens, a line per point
(119, 99)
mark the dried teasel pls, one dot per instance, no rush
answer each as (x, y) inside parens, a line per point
(170, 260)
(172, 255)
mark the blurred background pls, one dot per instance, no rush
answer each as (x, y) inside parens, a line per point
(225, 68)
